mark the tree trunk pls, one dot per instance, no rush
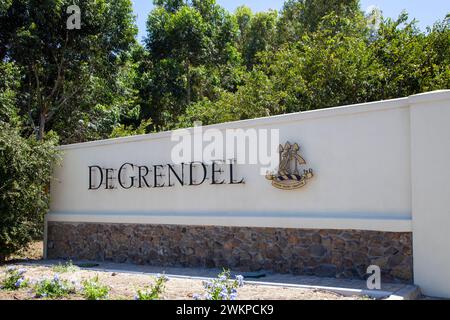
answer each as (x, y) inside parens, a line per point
(41, 131)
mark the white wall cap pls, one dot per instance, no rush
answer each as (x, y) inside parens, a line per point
(431, 96)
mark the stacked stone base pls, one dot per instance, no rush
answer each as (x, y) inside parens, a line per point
(327, 253)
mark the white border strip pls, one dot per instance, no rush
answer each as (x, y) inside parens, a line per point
(388, 225)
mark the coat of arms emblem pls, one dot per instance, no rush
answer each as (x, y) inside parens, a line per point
(288, 176)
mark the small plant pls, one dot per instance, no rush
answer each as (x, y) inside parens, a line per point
(222, 288)
(53, 288)
(14, 279)
(94, 290)
(66, 267)
(154, 291)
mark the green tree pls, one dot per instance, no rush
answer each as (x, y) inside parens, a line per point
(260, 36)
(256, 98)
(411, 61)
(9, 86)
(303, 16)
(25, 169)
(344, 61)
(190, 54)
(436, 70)
(329, 67)
(62, 67)
(105, 105)
(243, 16)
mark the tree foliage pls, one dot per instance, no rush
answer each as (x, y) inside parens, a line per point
(333, 56)
(201, 62)
(65, 70)
(9, 86)
(190, 54)
(25, 170)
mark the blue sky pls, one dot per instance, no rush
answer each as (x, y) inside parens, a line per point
(426, 11)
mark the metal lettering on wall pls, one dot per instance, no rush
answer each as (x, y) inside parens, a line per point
(288, 176)
(130, 175)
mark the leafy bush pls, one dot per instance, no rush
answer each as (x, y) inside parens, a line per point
(94, 290)
(66, 267)
(14, 279)
(9, 84)
(53, 288)
(152, 292)
(124, 131)
(222, 288)
(25, 169)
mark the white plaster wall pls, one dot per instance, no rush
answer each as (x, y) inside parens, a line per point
(360, 155)
(378, 166)
(430, 154)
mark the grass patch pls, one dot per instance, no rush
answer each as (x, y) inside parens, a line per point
(94, 290)
(154, 291)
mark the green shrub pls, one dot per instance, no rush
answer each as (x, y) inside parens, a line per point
(94, 290)
(154, 291)
(14, 279)
(9, 84)
(25, 169)
(65, 267)
(53, 288)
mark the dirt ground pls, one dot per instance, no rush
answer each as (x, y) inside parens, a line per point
(124, 285)
(33, 252)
